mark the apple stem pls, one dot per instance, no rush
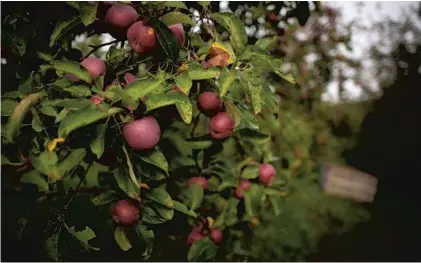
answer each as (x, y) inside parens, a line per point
(95, 48)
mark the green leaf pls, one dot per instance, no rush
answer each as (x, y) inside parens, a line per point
(97, 144)
(251, 172)
(199, 143)
(104, 198)
(175, 17)
(73, 104)
(226, 78)
(233, 110)
(72, 160)
(63, 113)
(35, 178)
(6, 161)
(139, 88)
(182, 208)
(228, 216)
(166, 39)
(185, 109)
(36, 122)
(92, 175)
(202, 250)
(62, 28)
(52, 247)
(197, 72)
(126, 184)
(11, 94)
(74, 4)
(121, 239)
(267, 42)
(160, 196)
(236, 29)
(276, 202)
(165, 99)
(87, 13)
(132, 175)
(8, 106)
(194, 195)
(15, 120)
(204, 3)
(176, 4)
(150, 216)
(115, 55)
(26, 87)
(148, 237)
(85, 116)
(84, 236)
(156, 158)
(79, 91)
(184, 82)
(256, 98)
(116, 91)
(252, 199)
(164, 212)
(254, 136)
(49, 111)
(46, 163)
(73, 68)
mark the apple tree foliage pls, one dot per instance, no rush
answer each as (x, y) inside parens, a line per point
(62, 138)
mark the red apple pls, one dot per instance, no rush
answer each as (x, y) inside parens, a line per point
(142, 38)
(216, 235)
(119, 17)
(202, 181)
(94, 66)
(129, 78)
(142, 134)
(178, 32)
(209, 103)
(244, 186)
(194, 236)
(221, 126)
(96, 99)
(124, 212)
(267, 174)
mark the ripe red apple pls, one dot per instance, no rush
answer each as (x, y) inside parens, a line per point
(195, 235)
(202, 181)
(209, 103)
(142, 134)
(178, 32)
(244, 186)
(129, 78)
(119, 17)
(96, 99)
(216, 235)
(267, 174)
(124, 212)
(94, 66)
(141, 38)
(221, 126)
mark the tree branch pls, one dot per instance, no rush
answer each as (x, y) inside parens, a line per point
(95, 48)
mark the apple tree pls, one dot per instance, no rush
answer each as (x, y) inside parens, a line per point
(181, 133)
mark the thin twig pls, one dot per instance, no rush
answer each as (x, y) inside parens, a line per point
(95, 48)
(77, 188)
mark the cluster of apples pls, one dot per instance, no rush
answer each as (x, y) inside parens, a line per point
(203, 230)
(122, 21)
(267, 174)
(221, 124)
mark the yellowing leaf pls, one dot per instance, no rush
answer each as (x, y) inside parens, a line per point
(52, 144)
